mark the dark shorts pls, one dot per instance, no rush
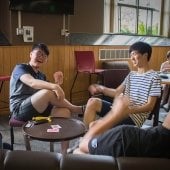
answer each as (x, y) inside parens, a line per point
(123, 140)
(106, 107)
(128, 140)
(109, 143)
(27, 111)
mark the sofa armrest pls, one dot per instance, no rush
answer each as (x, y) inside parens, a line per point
(3, 153)
(90, 162)
(31, 160)
(134, 163)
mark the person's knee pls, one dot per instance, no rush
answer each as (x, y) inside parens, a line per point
(44, 94)
(66, 113)
(94, 103)
(93, 106)
(61, 112)
(83, 147)
(47, 92)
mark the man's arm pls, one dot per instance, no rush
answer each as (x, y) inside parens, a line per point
(145, 107)
(110, 92)
(120, 110)
(41, 84)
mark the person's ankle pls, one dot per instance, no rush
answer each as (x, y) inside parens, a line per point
(83, 107)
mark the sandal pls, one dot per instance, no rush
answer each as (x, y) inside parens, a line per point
(83, 107)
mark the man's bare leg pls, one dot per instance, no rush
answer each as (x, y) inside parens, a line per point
(43, 98)
(166, 122)
(78, 151)
(93, 106)
(119, 111)
(62, 112)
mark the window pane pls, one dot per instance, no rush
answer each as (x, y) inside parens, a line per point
(129, 2)
(152, 13)
(156, 4)
(127, 20)
(156, 23)
(137, 16)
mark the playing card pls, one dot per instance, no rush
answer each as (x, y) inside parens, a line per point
(53, 130)
(55, 126)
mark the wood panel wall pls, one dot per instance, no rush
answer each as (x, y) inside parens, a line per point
(62, 58)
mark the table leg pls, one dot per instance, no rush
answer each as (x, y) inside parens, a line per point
(27, 142)
(51, 146)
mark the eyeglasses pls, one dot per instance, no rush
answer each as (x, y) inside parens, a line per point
(134, 53)
(40, 53)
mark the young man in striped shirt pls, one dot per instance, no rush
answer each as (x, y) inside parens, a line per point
(134, 99)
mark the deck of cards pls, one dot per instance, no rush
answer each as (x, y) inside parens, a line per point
(54, 128)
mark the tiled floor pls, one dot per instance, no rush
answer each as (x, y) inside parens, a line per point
(44, 146)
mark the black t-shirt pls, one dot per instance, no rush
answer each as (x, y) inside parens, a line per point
(127, 140)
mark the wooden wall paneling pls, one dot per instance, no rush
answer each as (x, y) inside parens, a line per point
(5, 90)
(1, 61)
(72, 68)
(12, 56)
(67, 71)
(158, 57)
(50, 66)
(22, 54)
(62, 58)
(7, 52)
(2, 95)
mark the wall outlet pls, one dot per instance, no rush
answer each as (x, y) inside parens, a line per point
(65, 32)
(19, 31)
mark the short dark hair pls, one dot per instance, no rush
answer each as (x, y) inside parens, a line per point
(168, 54)
(41, 46)
(142, 48)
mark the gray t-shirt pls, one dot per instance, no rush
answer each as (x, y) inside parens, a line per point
(18, 90)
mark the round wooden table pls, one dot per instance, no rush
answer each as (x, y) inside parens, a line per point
(59, 129)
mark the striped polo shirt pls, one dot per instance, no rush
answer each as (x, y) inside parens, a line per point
(139, 87)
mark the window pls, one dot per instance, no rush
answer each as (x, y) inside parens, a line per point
(141, 17)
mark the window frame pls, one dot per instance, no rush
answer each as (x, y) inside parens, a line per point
(113, 23)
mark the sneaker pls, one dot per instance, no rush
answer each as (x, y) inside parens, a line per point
(166, 107)
(162, 104)
(6, 146)
(71, 150)
(83, 110)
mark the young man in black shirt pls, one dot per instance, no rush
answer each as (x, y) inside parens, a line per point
(128, 140)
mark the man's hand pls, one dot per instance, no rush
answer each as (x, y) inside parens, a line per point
(58, 77)
(95, 89)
